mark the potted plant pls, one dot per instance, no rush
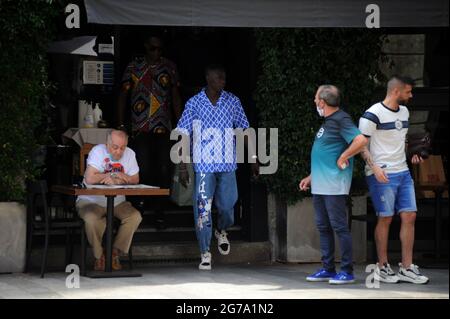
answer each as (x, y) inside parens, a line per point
(25, 29)
(293, 63)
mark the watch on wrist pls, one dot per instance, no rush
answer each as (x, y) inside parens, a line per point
(113, 175)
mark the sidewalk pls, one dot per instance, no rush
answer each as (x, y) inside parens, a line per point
(241, 281)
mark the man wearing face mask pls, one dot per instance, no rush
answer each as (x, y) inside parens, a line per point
(336, 142)
(390, 184)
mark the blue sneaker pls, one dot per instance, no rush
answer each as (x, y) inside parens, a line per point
(342, 278)
(321, 275)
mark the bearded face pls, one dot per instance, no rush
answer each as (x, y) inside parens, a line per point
(404, 95)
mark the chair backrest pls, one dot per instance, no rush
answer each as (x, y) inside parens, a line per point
(38, 190)
(47, 205)
(84, 151)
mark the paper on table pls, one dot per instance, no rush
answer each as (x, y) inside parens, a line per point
(102, 186)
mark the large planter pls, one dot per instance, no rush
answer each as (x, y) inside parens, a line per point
(295, 237)
(12, 237)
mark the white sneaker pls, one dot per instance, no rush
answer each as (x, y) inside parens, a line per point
(411, 274)
(222, 242)
(205, 264)
(386, 274)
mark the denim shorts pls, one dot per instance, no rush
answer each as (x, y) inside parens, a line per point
(396, 196)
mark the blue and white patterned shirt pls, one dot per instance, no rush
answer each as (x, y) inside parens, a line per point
(213, 145)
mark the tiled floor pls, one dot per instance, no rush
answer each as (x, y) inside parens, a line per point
(255, 281)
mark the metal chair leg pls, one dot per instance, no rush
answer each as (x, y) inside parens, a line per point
(68, 251)
(29, 249)
(44, 258)
(130, 256)
(83, 252)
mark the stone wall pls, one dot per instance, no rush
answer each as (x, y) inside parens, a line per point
(12, 237)
(302, 237)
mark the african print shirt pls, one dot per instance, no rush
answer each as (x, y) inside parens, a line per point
(151, 93)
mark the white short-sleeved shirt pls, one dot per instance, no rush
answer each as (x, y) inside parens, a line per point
(387, 131)
(100, 159)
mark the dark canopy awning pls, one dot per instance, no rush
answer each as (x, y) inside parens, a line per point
(267, 13)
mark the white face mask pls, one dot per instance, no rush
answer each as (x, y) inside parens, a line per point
(320, 111)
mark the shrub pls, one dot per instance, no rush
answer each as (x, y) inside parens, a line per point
(294, 62)
(26, 27)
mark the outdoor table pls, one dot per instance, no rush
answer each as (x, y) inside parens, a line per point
(110, 194)
(438, 188)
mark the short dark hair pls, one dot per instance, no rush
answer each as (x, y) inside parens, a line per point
(214, 67)
(403, 79)
(398, 81)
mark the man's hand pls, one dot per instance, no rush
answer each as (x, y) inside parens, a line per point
(416, 159)
(108, 180)
(123, 177)
(380, 174)
(255, 169)
(305, 183)
(342, 162)
(183, 177)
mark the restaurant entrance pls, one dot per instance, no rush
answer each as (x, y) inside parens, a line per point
(192, 49)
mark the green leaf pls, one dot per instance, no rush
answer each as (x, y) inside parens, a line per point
(293, 63)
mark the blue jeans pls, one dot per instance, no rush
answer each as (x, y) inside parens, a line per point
(396, 196)
(331, 216)
(222, 188)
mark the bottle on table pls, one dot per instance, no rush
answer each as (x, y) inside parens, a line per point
(97, 114)
(89, 117)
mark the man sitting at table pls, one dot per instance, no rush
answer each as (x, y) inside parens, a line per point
(111, 163)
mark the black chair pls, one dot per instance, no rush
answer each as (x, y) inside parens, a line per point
(367, 218)
(359, 186)
(370, 219)
(37, 205)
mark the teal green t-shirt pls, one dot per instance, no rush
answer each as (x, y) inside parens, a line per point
(333, 138)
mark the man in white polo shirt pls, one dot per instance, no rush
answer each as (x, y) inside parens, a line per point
(390, 184)
(111, 163)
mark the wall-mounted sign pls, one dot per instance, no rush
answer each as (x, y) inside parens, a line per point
(98, 72)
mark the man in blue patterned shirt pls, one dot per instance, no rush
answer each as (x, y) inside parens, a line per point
(209, 119)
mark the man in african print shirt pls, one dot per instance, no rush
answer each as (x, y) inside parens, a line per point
(152, 85)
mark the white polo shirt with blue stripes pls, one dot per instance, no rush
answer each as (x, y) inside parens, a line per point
(387, 131)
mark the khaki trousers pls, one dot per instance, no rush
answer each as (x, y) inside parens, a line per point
(94, 217)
